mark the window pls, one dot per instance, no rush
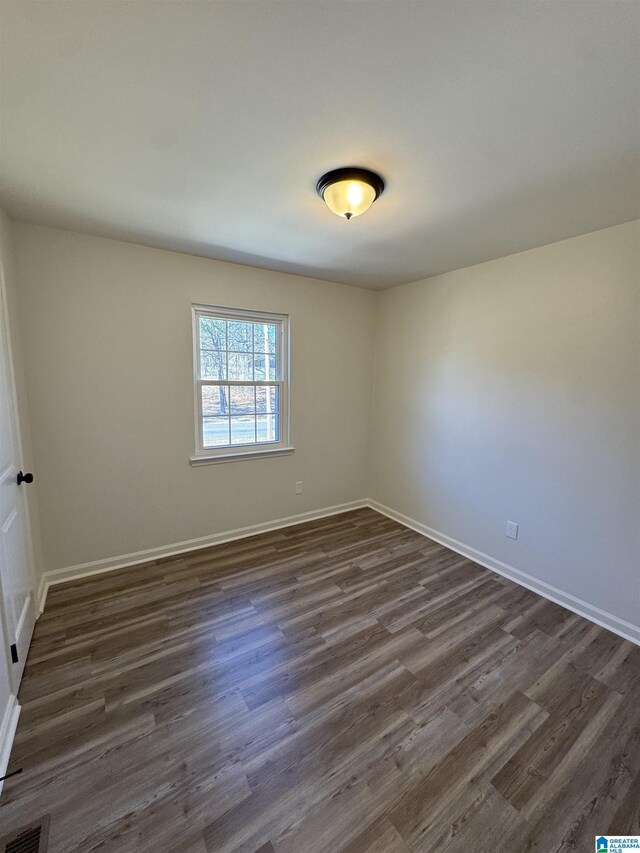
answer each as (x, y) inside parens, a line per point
(241, 363)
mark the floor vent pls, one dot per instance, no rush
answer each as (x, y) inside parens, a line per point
(29, 839)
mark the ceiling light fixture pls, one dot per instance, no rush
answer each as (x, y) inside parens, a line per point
(350, 191)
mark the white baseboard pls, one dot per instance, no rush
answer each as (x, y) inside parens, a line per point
(8, 727)
(41, 595)
(582, 608)
(83, 570)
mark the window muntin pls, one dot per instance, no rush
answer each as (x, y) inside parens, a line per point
(241, 368)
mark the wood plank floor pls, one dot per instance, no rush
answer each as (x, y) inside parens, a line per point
(343, 685)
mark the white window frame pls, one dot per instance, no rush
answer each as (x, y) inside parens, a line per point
(254, 450)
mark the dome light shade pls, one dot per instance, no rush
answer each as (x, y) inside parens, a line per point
(350, 191)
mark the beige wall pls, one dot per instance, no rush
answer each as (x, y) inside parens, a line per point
(511, 391)
(106, 332)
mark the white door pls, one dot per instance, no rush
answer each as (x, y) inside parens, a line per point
(17, 598)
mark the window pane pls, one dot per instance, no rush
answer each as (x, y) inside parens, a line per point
(264, 337)
(240, 367)
(259, 368)
(213, 365)
(267, 400)
(213, 333)
(271, 338)
(267, 428)
(215, 400)
(215, 432)
(240, 336)
(243, 430)
(264, 366)
(237, 359)
(242, 400)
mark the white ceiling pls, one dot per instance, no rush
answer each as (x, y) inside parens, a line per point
(203, 126)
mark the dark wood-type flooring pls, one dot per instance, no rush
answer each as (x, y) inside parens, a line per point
(342, 685)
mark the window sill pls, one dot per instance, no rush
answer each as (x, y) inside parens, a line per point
(217, 458)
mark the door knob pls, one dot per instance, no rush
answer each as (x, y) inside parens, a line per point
(24, 478)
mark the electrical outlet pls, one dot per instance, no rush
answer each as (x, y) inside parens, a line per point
(512, 530)
(299, 487)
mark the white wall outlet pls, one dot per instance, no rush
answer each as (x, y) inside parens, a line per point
(299, 487)
(512, 530)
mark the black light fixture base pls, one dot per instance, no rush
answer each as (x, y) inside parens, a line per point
(350, 173)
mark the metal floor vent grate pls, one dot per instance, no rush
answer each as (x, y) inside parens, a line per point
(29, 839)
